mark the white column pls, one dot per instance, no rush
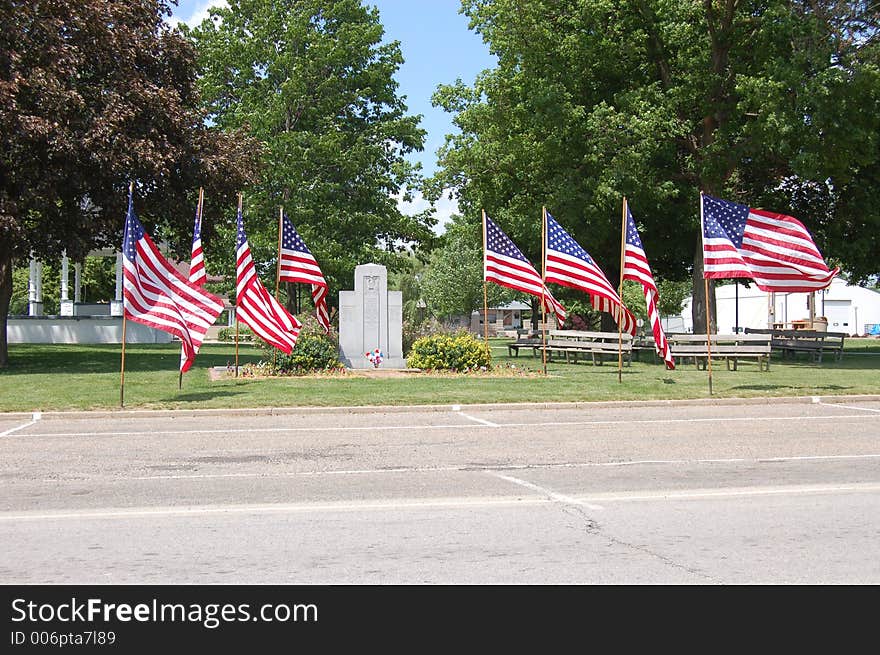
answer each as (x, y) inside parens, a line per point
(35, 288)
(66, 305)
(116, 305)
(77, 282)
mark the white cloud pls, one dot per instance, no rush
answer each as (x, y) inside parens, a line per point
(444, 208)
(200, 12)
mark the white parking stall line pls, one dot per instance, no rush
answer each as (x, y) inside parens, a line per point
(479, 420)
(863, 409)
(36, 416)
(558, 497)
(457, 426)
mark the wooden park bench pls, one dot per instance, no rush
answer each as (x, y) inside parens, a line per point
(730, 347)
(812, 342)
(525, 339)
(576, 343)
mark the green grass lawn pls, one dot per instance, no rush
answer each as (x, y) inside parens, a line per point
(48, 377)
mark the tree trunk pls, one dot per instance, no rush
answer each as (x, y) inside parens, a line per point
(607, 322)
(5, 298)
(536, 313)
(698, 306)
(293, 299)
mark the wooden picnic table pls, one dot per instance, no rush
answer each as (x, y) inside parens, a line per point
(813, 342)
(729, 347)
(574, 343)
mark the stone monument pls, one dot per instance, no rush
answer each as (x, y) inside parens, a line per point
(371, 317)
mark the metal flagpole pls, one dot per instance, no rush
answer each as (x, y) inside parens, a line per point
(485, 292)
(706, 291)
(236, 310)
(620, 291)
(122, 365)
(544, 287)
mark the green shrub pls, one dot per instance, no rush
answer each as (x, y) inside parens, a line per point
(314, 351)
(228, 334)
(454, 352)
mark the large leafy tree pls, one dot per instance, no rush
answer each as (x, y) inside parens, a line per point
(314, 83)
(94, 93)
(772, 103)
(453, 279)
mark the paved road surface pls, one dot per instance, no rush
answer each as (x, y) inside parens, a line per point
(780, 492)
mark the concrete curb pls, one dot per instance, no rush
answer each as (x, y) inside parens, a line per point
(399, 409)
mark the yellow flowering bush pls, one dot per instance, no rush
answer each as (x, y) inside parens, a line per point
(460, 352)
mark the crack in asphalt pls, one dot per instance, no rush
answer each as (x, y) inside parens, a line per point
(594, 528)
(577, 509)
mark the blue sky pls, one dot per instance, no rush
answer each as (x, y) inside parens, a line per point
(437, 48)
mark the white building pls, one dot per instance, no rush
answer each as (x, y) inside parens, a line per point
(850, 309)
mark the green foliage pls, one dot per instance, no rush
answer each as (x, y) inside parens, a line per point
(581, 315)
(453, 279)
(98, 284)
(409, 282)
(315, 351)
(773, 104)
(634, 299)
(227, 334)
(313, 81)
(94, 95)
(460, 352)
(672, 295)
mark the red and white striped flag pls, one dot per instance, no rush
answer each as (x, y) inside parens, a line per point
(255, 307)
(570, 265)
(197, 274)
(636, 268)
(505, 265)
(775, 250)
(299, 265)
(157, 295)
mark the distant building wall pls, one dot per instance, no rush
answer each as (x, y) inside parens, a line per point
(76, 329)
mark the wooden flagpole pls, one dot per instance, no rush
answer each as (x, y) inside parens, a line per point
(122, 365)
(278, 266)
(544, 287)
(278, 270)
(122, 378)
(199, 215)
(236, 310)
(485, 291)
(706, 292)
(620, 292)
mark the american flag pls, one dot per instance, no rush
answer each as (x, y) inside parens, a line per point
(157, 295)
(197, 273)
(299, 265)
(570, 265)
(773, 249)
(506, 266)
(636, 268)
(255, 307)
